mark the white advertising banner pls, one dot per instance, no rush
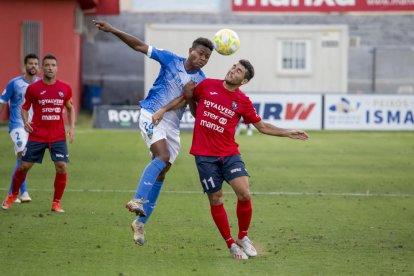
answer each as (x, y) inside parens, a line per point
(289, 111)
(281, 110)
(369, 112)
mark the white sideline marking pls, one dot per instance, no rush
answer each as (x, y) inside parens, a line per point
(367, 194)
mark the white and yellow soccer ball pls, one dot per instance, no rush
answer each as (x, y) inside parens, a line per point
(226, 42)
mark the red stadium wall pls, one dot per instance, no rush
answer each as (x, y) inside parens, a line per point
(58, 37)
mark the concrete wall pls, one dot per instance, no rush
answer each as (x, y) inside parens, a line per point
(261, 45)
(110, 63)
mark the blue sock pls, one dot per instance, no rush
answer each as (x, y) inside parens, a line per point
(152, 201)
(23, 187)
(148, 178)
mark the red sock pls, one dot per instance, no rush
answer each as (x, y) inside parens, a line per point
(220, 218)
(18, 180)
(244, 215)
(60, 184)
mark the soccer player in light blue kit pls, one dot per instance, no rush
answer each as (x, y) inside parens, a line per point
(14, 96)
(163, 140)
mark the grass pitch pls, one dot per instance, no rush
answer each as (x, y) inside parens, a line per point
(341, 203)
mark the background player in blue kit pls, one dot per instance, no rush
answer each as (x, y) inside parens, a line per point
(163, 140)
(14, 96)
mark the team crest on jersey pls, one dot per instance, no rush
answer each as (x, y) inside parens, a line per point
(61, 94)
(234, 105)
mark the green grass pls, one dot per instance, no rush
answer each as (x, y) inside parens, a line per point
(323, 232)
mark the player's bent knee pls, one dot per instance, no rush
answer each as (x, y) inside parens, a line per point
(245, 196)
(60, 167)
(164, 157)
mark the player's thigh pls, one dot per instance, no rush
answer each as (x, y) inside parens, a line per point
(210, 174)
(236, 175)
(174, 142)
(149, 132)
(19, 138)
(34, 152)
(59, 151)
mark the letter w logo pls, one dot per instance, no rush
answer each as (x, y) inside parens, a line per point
(300, 111)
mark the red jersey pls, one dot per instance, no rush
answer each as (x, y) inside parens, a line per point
(218, 113)
(48, 102)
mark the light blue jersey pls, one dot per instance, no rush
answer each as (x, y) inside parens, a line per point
(14, 95)
(169, 83)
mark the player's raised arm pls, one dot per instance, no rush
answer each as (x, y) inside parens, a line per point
(270, 129)
(130, 40)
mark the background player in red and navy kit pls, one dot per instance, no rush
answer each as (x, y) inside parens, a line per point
(48, 97)
(220, 105)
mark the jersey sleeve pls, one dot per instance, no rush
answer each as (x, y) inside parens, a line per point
(7, 93)
(250, 115)
(162, 56)
(69, 94)
(28, 98)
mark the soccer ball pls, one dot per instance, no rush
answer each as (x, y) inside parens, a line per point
(226, 42)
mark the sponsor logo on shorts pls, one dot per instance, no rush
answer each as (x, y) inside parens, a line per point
(236, 170)
(19, 144)
(60, 155)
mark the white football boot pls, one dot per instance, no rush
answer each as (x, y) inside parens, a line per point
(135, 205)
(237, 252)
(138, 229)
(247, 246)
(24, 197)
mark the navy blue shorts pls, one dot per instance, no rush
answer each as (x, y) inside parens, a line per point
(34, 151)
(214, 170)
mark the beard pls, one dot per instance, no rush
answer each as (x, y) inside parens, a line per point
(31, 71)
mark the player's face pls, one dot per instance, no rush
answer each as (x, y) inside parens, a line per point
(32, 66)
(235, 76)
(49, 68)
(199, 56)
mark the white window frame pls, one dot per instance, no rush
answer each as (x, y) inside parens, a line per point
(295, 70)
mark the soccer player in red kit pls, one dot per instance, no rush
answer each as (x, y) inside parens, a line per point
(48, 97)
(220, 105)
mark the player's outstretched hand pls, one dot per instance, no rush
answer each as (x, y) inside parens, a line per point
(103, 25)
(28, 127)
(298, 134)
(157, 116)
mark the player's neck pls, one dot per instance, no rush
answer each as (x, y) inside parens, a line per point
(29, 78)
(189, 67)
(230, 87)
(49, 81)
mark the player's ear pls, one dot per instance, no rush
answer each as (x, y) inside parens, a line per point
(244, 81)
(190, 50)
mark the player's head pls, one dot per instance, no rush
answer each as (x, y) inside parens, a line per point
(49, 66)
(200, 52)
(240, 73)
(31, 64)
